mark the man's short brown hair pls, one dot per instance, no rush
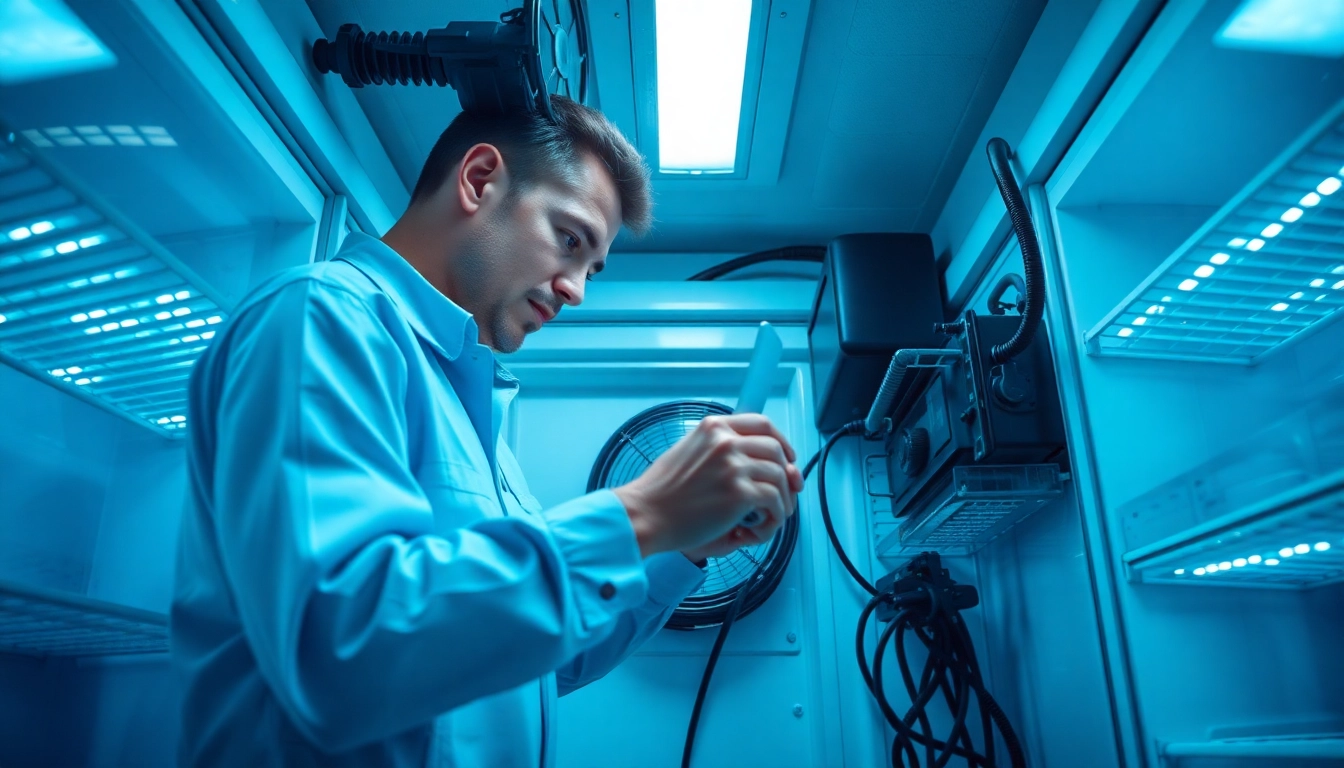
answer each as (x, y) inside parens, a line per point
(538, 150)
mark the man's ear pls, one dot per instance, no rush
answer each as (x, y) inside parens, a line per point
(480, 177)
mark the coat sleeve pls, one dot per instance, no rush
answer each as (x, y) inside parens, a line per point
(671, 578)
(363, 620)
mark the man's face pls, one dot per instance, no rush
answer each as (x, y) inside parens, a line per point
(532, 251)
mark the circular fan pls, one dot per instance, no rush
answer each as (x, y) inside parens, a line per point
(564, 48)
(630, 450)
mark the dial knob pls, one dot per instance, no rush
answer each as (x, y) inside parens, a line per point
(913, 451)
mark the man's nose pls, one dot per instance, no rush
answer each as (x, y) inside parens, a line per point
(570, 289)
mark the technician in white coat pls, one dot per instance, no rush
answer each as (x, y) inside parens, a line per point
(363, 578)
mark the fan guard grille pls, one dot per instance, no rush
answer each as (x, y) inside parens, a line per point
(635, 446)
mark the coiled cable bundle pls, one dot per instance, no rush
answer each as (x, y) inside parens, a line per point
(919, 599)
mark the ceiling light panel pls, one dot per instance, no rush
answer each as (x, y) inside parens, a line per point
(1265, 270)
(90, 304)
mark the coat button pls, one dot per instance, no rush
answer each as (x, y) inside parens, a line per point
(607, 591)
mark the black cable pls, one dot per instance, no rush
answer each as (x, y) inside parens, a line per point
(910, 689)
(745, 591)
(713, 662)
(918, 602)
(1015, 754)
(852, 428)
(813, 253)
(999, 163)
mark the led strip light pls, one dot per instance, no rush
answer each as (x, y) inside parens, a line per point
(92, 305)
(1268, 268)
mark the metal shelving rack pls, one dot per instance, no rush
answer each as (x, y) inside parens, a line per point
(42, 622)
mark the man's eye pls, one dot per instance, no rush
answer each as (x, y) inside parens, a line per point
(572, 243)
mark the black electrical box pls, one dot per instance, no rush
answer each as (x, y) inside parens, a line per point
(878, 293)
(976, 411)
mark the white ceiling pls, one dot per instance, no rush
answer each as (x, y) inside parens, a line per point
(891, 97)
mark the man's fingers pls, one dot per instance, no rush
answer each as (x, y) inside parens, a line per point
(757, 424)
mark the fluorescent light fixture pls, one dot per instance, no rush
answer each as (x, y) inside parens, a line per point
(44, 38)
(1204, 270)
(1328, 187)
(1126, 332)
(1188, 285)
(1318, 282)
(1297, 296)
(1219, 258)
(1272, 230)
(1309, 200)
(1140, 320)
(1321, 546)
(1291, 215)
(1304, 27)
(702, 60)
(1279, 307)
(1254, 559)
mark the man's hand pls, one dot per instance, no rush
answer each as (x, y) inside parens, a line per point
(694, 496)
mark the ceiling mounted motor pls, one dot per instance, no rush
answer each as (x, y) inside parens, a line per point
(515, 65)
(636, 445)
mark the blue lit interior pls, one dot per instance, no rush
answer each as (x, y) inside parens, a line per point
(1184, 165)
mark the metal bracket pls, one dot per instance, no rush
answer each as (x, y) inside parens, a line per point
(867, 475)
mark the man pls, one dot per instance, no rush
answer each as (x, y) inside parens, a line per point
(362, 577)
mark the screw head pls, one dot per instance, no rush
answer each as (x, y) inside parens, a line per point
(797, 710)
(792, 637)
(783, 14)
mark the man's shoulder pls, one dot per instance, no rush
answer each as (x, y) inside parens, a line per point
(316, 283)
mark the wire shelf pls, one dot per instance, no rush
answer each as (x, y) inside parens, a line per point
(39, 622)
(1265, 270)
(973, 508)
(1307, 747)
(1294, 540)
(90, 304)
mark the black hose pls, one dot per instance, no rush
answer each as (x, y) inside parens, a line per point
(999, 154)
(813, 253)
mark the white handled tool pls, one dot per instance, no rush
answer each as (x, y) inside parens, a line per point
(756, 389)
